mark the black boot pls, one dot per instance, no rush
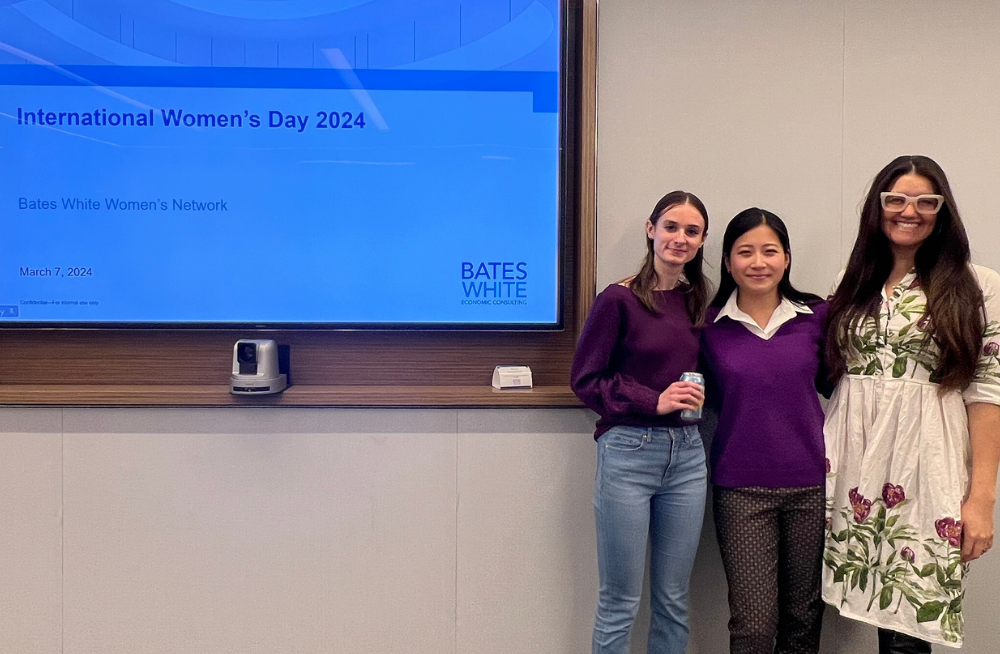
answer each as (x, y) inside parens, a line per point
(893, 642)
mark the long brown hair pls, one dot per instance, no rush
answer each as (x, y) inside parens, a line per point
(955, 304)
(645, 281)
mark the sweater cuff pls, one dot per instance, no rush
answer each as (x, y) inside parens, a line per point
(647, 401)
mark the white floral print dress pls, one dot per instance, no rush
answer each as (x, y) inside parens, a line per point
(898, 469)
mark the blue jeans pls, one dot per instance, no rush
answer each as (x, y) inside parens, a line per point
(651, 483)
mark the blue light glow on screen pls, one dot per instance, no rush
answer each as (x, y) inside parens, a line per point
(360, 162)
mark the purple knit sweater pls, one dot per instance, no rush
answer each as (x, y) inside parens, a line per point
(770, 429)
(628, 355)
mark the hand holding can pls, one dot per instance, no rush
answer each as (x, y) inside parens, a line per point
(697, 378)
(679, 396)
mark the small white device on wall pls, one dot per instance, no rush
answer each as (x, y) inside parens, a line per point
(511, 377)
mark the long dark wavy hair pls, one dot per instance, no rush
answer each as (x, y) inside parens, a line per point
(954, 299)
(742, 223)
(696, 291)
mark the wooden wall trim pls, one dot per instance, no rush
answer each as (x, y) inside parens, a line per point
(587, 274)
(313, 396)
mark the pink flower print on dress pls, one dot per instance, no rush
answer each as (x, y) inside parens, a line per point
(892, 495)
(991, 349)
(907, 554)
(950, 530)
(862, 507)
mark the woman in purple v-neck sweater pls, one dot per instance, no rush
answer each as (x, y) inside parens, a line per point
(651, 475)
(762, 347)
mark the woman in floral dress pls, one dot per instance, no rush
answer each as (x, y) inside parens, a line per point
(913, 428)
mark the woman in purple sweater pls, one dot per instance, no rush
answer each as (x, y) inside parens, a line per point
(651, 476)
(761, 347)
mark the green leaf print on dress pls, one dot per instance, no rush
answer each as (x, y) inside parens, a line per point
(879, 554)
(988, 366)
(878, 349)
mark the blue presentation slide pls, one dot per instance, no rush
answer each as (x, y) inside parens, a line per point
(277, 162)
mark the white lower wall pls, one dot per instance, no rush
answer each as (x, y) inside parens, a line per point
(235, 531)
(137, 531)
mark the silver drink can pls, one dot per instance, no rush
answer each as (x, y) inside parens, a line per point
(696, 377)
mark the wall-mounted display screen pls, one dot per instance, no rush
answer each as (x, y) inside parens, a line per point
(385, 163)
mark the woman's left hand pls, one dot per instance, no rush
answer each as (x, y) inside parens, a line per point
(977, 528)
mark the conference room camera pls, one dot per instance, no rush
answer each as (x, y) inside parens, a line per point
(258, 368)
(246, 356)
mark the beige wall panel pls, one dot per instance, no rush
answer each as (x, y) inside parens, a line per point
(31, 537)
(921, 78)
(259, 531)
(527, 574)
(740, 103)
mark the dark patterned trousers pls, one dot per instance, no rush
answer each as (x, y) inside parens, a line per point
(772, 549)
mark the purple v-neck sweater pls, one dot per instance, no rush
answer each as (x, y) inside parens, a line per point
(627, 355)
(770, 430)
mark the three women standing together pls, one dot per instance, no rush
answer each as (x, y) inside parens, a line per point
(912, 432)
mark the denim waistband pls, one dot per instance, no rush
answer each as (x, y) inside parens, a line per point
(684, 433)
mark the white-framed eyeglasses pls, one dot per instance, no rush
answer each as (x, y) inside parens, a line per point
(928, 204)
